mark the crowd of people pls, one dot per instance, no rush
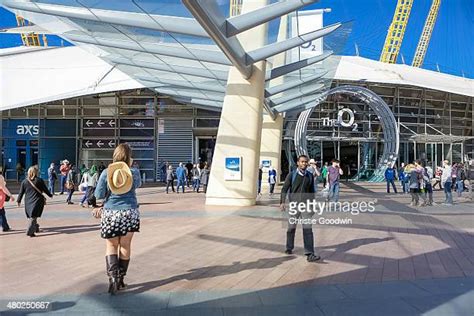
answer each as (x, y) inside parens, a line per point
(116, 184)
(328, 175)
(186, 175)
(85, 180)
(119, 212)
(419, 180)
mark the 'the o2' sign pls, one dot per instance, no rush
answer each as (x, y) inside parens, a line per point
(341, 120)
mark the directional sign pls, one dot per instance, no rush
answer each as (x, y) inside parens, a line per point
(138, 143)
(98, 123)
(98, 143)
(137, 123)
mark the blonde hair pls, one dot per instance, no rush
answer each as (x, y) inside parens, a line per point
(33, 172)
(123, 152)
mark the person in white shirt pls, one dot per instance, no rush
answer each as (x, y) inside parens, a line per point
(446, 181)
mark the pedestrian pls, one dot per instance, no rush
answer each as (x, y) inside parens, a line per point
(52, 177)
(92, 177)
(5, 196)
(313, 169)
(437, 178)
(446, 180)
(189, 175)
(334, 174)
(205, 177)
(426, 186)
(460, 178)
(272, 176)
(196, 174)
(324, 174)
(120, 215)
(71, 184)
(101, 168)
(169, 178)
(401, 177)
(454, 174)
(83, 170)
(299, 187)
(259, 183)
(416, 176)
(64, 170)
(19, 171)
(83, 188)
(163, 168)
(390, 176)
(470, 176)
(180, 177)
(33, 188)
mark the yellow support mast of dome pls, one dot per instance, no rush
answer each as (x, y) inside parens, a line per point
(426, 34)
(30, 39)
(396, 32)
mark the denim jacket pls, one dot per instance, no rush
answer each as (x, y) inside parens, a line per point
(118, 202)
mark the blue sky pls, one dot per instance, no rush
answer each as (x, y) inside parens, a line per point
(451, 46)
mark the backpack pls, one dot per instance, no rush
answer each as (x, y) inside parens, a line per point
(306, 174)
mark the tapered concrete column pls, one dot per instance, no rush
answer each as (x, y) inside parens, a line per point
(240, 126)
(272, 130)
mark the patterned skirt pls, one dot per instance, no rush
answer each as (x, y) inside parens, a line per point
(115, 223)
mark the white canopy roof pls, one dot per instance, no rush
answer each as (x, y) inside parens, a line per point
(30, 75)
(362, 69)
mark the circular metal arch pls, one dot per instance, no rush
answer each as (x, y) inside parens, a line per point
(381, 109)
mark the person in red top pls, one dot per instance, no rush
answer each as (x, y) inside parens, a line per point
(64, 169)
(4, 192)
(438, 174)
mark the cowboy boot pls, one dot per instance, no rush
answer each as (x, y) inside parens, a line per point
(113, 273)
(123, 266)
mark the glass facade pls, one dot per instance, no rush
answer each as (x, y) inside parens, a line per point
(86, 130)
(432, 125)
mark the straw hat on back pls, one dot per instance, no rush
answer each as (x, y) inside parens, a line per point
(119, 178)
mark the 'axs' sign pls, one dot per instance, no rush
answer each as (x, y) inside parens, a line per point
(31, 130)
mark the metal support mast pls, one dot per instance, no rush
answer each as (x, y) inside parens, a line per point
(30, 39)
(396, 32)
(426, 34)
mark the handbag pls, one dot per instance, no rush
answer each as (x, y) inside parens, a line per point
(37, 190)
(69, 185)
(83, 187)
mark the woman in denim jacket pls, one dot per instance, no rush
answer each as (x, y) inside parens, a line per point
(120, 216)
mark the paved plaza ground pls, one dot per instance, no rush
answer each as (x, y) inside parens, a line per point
(194, 259)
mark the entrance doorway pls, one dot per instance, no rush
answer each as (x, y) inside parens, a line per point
(347, 152)
(34, 156)
(204, 149)
(358, 158)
